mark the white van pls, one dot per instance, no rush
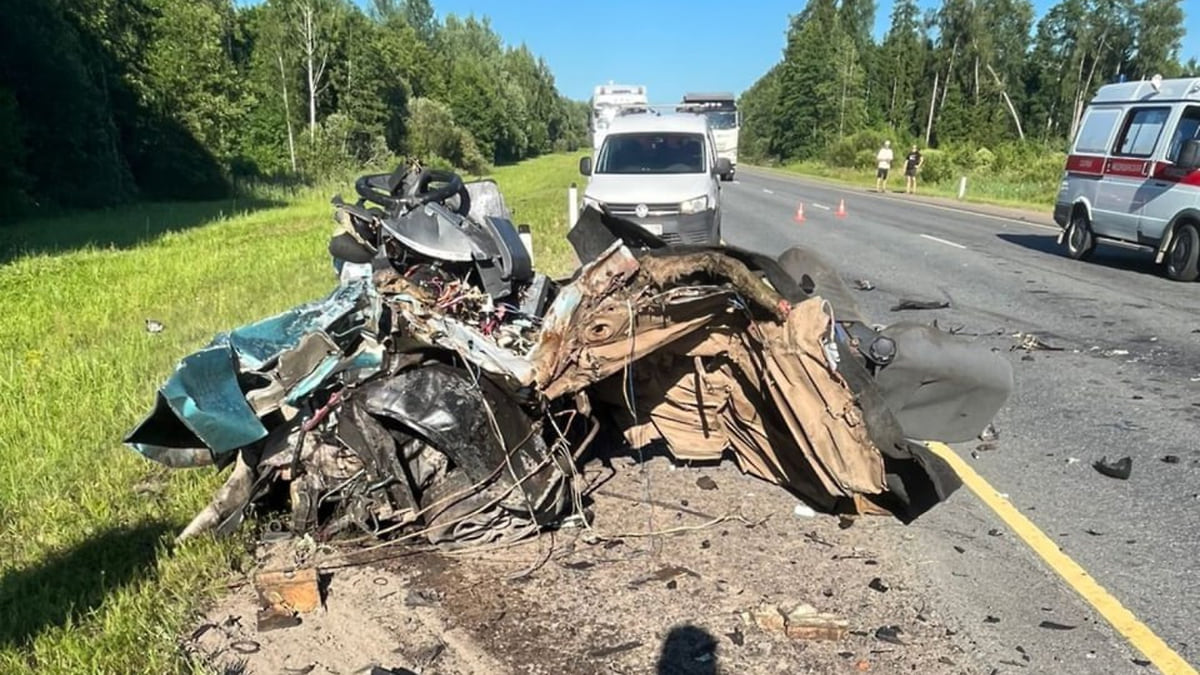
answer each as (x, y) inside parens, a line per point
(661, 172)
(1133, 174)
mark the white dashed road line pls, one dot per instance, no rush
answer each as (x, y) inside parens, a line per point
(821, 206)
(943, 241)
(770, 192)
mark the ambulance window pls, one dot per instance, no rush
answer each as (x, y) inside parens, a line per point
(1096, 130)
(1187, 129)
(1142, 130)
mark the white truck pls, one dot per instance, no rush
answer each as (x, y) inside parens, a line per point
(608, 102)
(723, 119)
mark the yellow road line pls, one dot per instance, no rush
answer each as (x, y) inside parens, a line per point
(1125, 623)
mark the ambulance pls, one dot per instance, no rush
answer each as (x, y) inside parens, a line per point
(1133, 174)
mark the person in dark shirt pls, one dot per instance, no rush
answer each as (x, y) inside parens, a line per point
(912, 162)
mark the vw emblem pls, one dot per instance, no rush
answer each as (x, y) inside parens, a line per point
(642, 210)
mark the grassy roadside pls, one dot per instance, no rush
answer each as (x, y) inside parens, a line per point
(981, 190)
(89, 582)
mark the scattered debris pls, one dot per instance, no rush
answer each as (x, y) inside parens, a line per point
(995, 532)
(919, 304)
(802, 622)
(985, 447)
(889, 634)
(1072, 460)
(615, 649)
(1032, 343)
(960, 549)
(422, 597)
(864, 285)
(285, 594)
(1120, 469)
(1169, 459)
(991, 619)
(154, 327)
(989, 434)
(1143, 662)
(879, 585)
(1051, 625)
(706, 483)
(1094, 533)
(737, 637)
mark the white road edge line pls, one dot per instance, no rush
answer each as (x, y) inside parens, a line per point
(770, 192)
(943, 241)
(822, 206)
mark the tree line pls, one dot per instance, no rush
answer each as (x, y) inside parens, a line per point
(968, 74)
(107, 101)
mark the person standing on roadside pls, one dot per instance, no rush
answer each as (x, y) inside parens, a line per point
(883, 164)
(912, 163)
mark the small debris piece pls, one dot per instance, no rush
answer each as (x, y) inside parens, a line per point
(985, 447)
(1117, 352)
(1119, 469)
(1031, 343)
(960, 549)
(154, 327)
(672, 585)
(879, 585)
(1022, 652)
(804, 622)
(1072, 460)
(845, 522)
(991, 619)
(295, 591)
(989, 434)
(737, 637)
(945, 661)
(1143, 662)
(995, 532)
(420, 597)
(864, 285)
(769, 618)
(919, 304)
(889, 634)
(1170, 459)
(1094, 533)
(276, 617)
(706, 483)
(1051, 625)
(579, 565)
(615, 649)
(862, 666)
(706, 544)
(803, 511)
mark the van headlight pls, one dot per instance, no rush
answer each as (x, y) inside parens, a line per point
(595, 204)
(694, 205)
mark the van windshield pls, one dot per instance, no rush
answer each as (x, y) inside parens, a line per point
(652, 153)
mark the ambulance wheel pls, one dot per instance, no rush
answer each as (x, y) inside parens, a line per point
(1079, 240)
(1183, 258)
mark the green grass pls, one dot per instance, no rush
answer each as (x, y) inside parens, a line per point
(89, 581)
(985, 190)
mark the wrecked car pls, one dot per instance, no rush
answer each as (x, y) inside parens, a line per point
(446, 390)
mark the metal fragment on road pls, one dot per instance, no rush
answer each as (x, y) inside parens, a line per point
(1120, 469)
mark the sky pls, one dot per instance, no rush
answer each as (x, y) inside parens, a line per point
(672, 46)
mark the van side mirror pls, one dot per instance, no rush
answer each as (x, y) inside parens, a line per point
(585, 166)
(1189, 155)
(723, 167)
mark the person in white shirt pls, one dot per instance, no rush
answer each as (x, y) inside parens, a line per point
(883, 163)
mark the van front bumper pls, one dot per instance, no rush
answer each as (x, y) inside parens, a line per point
(692, 228)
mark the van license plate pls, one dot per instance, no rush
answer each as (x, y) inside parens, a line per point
(653, 228)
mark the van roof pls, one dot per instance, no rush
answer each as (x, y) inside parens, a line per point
(649, 122)
(1178, 89)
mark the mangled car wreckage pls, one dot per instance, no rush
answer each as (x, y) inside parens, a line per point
(446, 390)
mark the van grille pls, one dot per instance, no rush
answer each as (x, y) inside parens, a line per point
(655, 210)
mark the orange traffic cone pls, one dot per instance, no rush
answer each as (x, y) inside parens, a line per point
(799, 213)
(841, 209)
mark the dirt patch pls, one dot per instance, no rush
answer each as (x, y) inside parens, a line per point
(607, 599)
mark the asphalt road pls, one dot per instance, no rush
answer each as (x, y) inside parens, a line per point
(1126, 383)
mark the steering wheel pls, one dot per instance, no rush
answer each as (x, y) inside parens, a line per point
(422, 191)
(384, 189)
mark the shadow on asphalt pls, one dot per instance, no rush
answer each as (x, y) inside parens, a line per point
(1115, 257)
